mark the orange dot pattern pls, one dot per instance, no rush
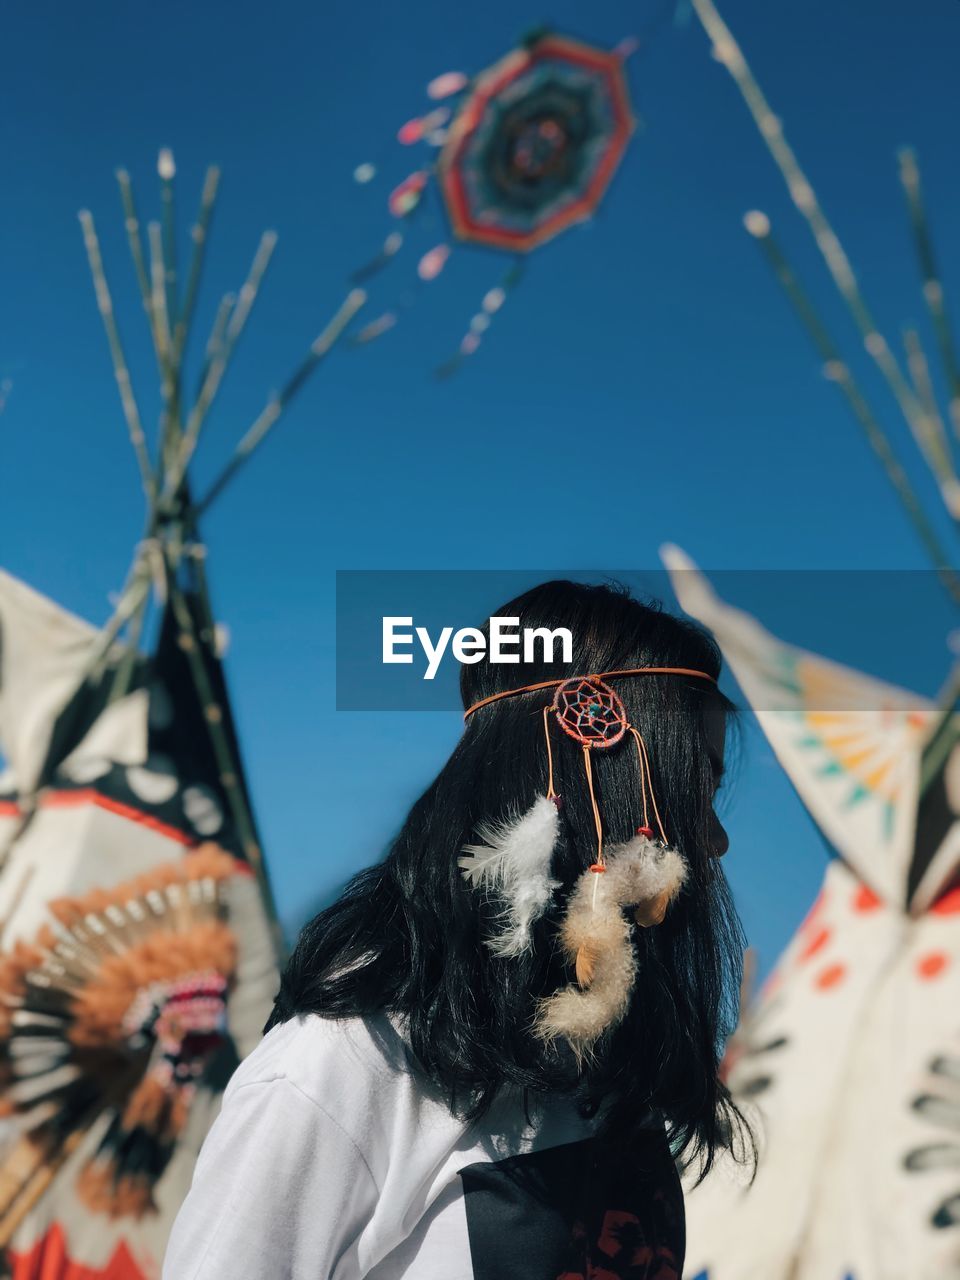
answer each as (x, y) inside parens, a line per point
(932, 965)
(865, 899)
(830, 977)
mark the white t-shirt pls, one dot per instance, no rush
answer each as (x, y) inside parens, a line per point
(332, 1159)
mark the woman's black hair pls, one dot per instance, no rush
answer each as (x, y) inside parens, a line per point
(407, 935)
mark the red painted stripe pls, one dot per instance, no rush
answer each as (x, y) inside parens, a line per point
(583, 55)
(74, 799)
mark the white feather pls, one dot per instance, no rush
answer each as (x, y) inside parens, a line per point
(641, 869)
(514, 861)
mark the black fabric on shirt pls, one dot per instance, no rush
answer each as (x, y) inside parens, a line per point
(577, 1212)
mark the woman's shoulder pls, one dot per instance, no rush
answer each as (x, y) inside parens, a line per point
(325, 1057)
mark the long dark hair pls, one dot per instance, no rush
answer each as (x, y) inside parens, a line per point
(407, 935)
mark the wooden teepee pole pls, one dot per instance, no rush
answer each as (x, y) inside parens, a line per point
(218, 334)
(171, 527)
(156, 298)
(218, 365)
(919, 369)
(198, 235)
(159, 295)
(228, 765)
(275, 406)
(945, 733)
(132, 224)
(132, 600)
(728, 52)
(120, 369)
(167, 169)
(933, 291)
(837, 370)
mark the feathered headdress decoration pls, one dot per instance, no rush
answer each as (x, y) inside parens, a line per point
(514, 861)
(596, 938)
(644, 875)
(111, 1015)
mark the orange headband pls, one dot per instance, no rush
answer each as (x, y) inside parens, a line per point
(603, 675)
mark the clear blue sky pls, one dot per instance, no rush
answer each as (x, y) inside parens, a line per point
(655, 339)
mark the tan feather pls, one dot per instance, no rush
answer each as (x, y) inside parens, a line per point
(653, 910)
(595, 935)
(583, 965)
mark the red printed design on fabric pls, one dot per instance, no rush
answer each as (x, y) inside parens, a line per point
(622, 1251)
(581, 1211)
(49, 1260)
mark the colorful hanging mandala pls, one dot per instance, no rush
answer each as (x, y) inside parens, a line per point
(535, 143)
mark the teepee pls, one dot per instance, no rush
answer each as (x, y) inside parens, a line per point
(849, 1061)
(138, 939)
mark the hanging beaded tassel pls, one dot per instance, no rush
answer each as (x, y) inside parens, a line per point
(651, 909)
(643, 874)
(596, 937)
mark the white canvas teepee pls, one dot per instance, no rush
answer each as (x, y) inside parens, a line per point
(849, 1063)
(138, 941)
(103, 817)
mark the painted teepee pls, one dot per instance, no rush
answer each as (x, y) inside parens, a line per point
(849, 1061)
(138, 941)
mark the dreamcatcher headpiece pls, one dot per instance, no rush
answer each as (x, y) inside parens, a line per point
(645, 874)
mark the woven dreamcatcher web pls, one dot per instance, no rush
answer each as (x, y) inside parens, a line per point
(590, 712)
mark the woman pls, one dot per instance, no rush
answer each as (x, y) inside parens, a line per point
(486, 1055)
